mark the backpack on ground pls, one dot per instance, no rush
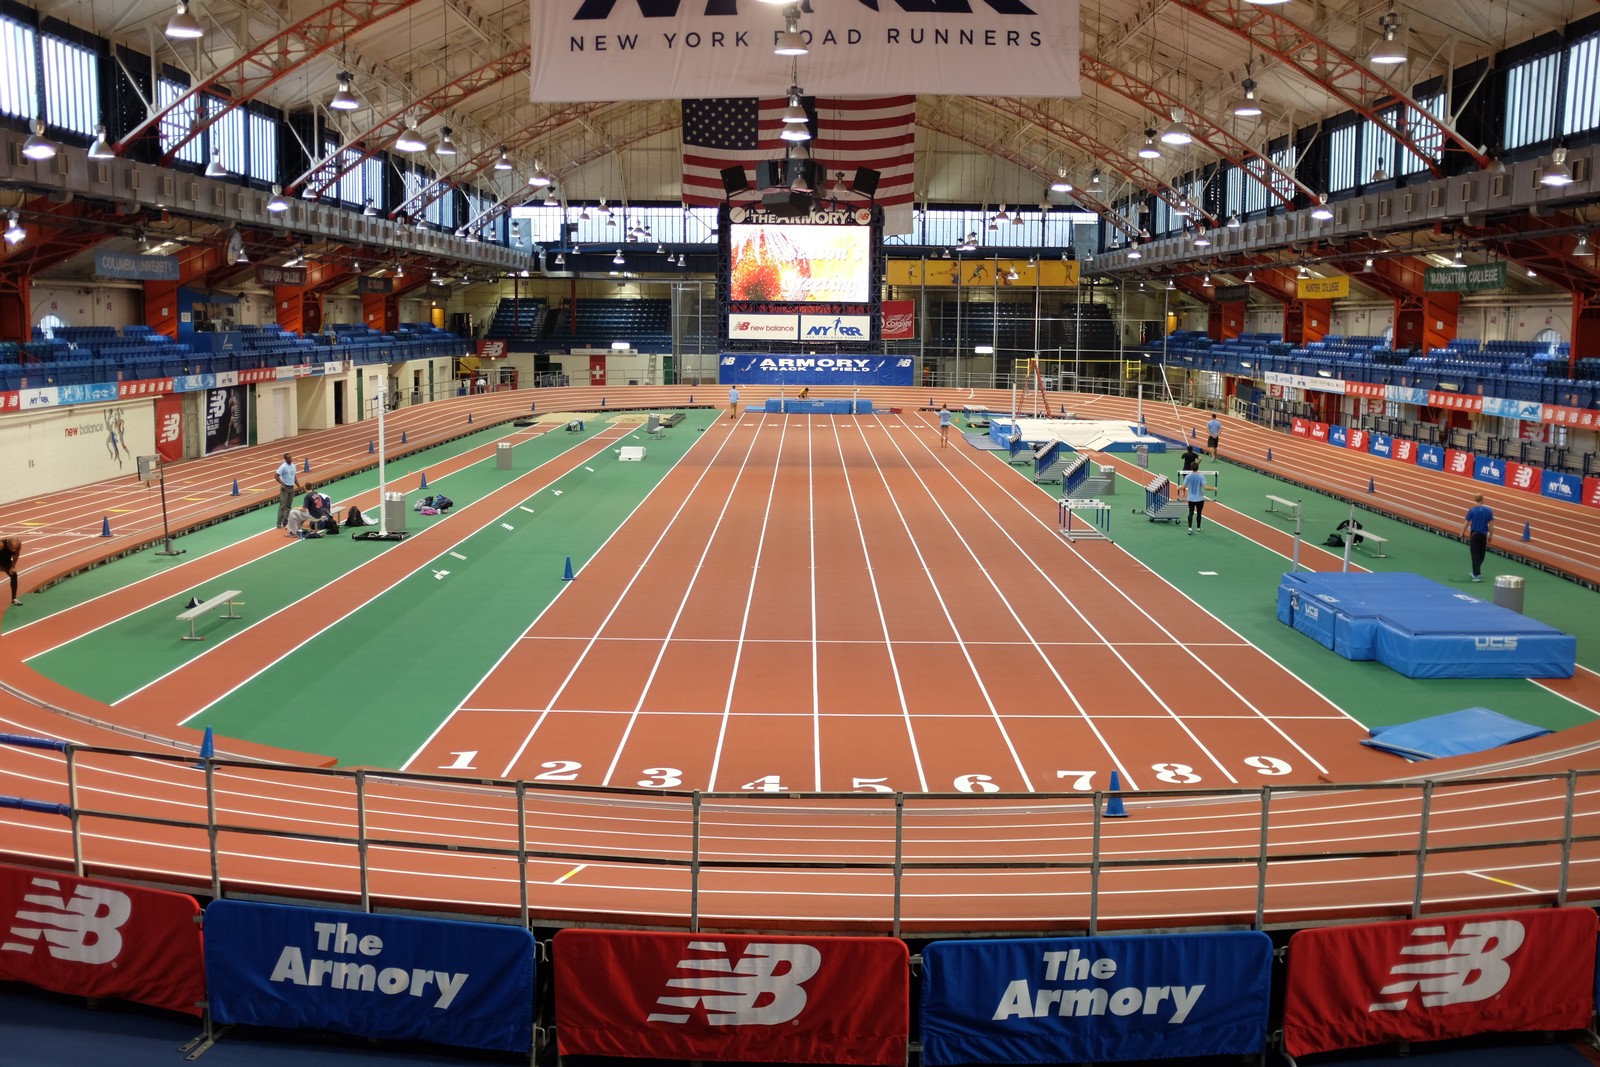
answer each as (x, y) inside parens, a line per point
(353, 517)
(425, 502)
(443, 503)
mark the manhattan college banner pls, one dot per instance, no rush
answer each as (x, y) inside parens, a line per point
(650, 49)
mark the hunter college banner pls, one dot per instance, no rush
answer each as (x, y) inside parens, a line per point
(654, 49)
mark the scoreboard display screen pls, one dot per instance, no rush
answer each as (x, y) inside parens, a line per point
(803, 264)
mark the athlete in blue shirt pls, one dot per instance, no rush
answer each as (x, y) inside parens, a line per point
(1194, 484)
(944, 425)
(1477, 529)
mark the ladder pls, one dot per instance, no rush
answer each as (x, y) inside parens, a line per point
(650, 370)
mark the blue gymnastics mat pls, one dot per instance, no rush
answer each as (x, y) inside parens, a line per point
(1422, 629)
(1457, 733)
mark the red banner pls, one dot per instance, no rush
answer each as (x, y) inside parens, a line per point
(1521, 476)
(1319, 432)
(1356, 439)
(1431, 979)
(1586, 418)
(724, 997)
(1455, 401)
(169, 427)
(899, 320)
(1368, 389)
(1591, 492)
(1458, 462)
(1403, 450)
(492, 349)
(1300, 427)
(88, 938)
(597, 370)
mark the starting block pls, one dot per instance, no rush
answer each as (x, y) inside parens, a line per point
(631, 453)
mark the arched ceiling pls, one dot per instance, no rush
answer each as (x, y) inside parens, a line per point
(464, 64)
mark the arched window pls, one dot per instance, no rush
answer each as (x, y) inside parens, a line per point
(50, 324)
(1547, 339)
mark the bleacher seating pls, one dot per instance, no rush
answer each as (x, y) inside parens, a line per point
(596, 322)
(523, 319)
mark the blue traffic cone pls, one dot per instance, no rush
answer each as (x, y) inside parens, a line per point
(236, 487)
(1527, 531)
(566, 575)
(208, 748)
(1114, 808)
(372, 446)
(306, 468)
(402, 437)
(105, 526)
(602, 401)
(1191, 432)
(1269, 455)
(691, 398)
(1372, 486)
(533, 406)
(1063, 409)
(469, 416)
(424, 484)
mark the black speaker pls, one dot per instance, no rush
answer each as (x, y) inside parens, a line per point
(734, 180)
(866, 182)
(769, 174)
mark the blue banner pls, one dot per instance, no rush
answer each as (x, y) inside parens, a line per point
(1401, 394)
(1527, 410)
(135, 267)
(457, 983)
(1559, 486)
(99, 393)
(1431, 457)
(1338, 436)
(1380, 444)
(1489, 469)
(1059, 1000)
(769, 369)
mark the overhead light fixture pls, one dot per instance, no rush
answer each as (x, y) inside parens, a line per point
(1379, 174)
(277, 203)
(1200, 238)
(14, 230)
(983, 350)
(215, 169)
(101, 149)
(945, 254)
(410, 139)
(1149, 150)
(1134, 253)
(1176, 133)
(1321, 212)
(550, 198)
(1531, 273)
(1011, 274)
(504, 162)
(791, 42)
(243, 256)
(1368, 264)
(1247, 106)
(1094, 178)
(1557, 174)
(682, 260)
(445, 147)
(1249, 277)
(343, 99)
(540, 177)
(561, 259)
(38, 146)
(1582, 248)
(1389, 50)
(1458, 261)
(1181, 208)
(617, 259)
(370, 209)
(796, 123)
(183, 24)
(1233, 221)
(1205, 281)
(1305, 272)
(1061, 185)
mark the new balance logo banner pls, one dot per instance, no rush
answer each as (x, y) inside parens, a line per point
(654, 49)
(95, 939)
(458, 983)
(1431, 979)
(1095, 998)
(714, 997)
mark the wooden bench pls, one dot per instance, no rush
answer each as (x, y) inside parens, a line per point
(1290, 506)
(228, 601)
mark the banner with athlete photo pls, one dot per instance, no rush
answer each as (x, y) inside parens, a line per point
(1437, 978)
(653, 49)
(224, 415)
(88, 938)
(729, 997)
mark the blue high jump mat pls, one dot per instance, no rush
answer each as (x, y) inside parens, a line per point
(1421, 628)
(1457, 733)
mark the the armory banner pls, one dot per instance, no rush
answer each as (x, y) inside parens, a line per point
(749, 368)
(650, 49)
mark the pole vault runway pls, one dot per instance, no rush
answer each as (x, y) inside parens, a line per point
(836, 604)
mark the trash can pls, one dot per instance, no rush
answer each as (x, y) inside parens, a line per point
(1109, 474)
(394, 512)
(1141, 456)
(1508, 592)
(502, 456)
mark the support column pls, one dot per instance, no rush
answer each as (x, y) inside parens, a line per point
(16, 306)
(1225, 320)
(381, 311)
(1441, 315)
(1305, 321)
(289, 302)
(161, 308)
(1585, 328)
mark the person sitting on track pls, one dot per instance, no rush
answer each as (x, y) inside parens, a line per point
(320, 507)
(300, 524)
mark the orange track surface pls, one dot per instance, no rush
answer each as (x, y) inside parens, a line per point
(954, 640)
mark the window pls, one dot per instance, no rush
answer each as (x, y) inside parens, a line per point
(263, 137)
(1582, 111)
(177, 121)
(1425, 135)
(1378, 145)
(1342, 158)
(19, 91)
(1531, 101)
(71, 86)
(1255, 184)
(1232, 191)
(1285, 160)
(50, 324)
(227, 138)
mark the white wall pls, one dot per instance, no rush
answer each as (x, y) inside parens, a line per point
(81, 305)
(52, 450)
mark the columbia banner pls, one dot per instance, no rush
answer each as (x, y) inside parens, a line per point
(1060, 1000)
(748, 368)
(1431, 979)
(654, 49)
(721, 997)
(88, 938)
(457, 983)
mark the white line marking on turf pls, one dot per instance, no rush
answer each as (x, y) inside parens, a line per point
(507, 526)
(457, 555)
(526, 508)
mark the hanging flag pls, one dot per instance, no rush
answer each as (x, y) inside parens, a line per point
(849, 133)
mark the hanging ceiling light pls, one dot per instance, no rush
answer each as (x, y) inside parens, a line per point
(550, 199)
(370, 209)
(800, 185)
(1061, 185)
(1580, 249)
(1233, 221)
(969, 243)
(1458, 261)
(101, 149)
(1181, 208)
(1094, 178)
(791, 42)
(1200, 238)
(14, 230)
(1389, 50)
(445, 147)
(1206, 281)
(1011, 274)
(1368, 265)
(540, 177)
(410, 139)
(1247, 106)
(617, 259)
(796, 124)
(681, 260)
(1249, 277)
(1134, 253)
(183, 24)
(1176, 132)
(504, 162)
(38, 146)
(215, 169)
(277, 203)
(1321, 212)
(1305, 272)
(1149, 150)
(343, 99)
(561, 259)
(1557, 174)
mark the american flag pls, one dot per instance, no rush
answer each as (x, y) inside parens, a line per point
(877, 132)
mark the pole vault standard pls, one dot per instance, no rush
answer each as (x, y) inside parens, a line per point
(382, 533)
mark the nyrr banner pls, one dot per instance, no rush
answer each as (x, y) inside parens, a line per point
(1426, 980)
(750, 369)
(88, 938)
(650, 49)
(457, 983)
(1060, 1000)
(701, 997)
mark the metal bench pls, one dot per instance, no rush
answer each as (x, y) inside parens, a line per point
(1289, 506)
(1377, 541)
(228, 600)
